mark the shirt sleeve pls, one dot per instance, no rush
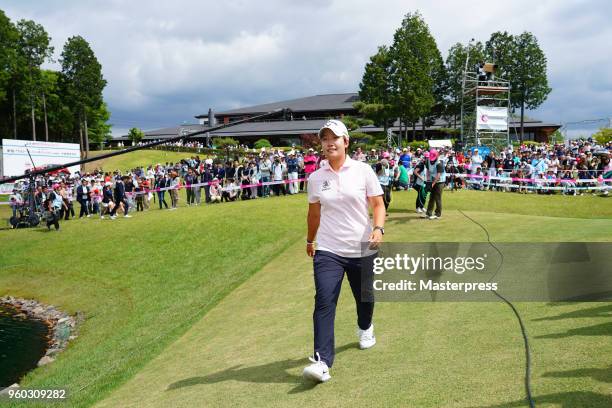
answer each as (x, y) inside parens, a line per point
(373, 187)
(313, 190)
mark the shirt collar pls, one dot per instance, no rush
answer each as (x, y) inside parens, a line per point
(348, 162)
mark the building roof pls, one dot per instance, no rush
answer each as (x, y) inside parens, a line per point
(296, 127)
(330, 102)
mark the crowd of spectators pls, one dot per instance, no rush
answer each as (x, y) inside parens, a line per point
(575, 168)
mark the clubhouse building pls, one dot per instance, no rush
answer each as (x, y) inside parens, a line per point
(306, 117)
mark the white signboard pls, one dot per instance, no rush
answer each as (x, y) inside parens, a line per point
(16, 161)
(440, 143)
(492, 118)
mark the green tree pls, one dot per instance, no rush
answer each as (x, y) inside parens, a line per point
(82, 82)
(556, 137)
(413, 53)
(135, 135)
(458, 55)
(262, 143)
(375, 89)
(603, 136)
(225, 142)
(10, 65)
(99, 128)
(439, 89)
(500, 49)
(522, 62)
(34, 48)
(529, 83)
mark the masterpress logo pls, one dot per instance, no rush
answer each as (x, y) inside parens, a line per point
(470, 271)
(413, 264)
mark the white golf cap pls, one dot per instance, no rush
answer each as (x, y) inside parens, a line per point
(335, 126)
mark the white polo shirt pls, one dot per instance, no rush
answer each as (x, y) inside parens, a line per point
(345, 222)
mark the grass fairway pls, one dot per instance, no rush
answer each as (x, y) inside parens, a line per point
(178, 316)
(138, 158)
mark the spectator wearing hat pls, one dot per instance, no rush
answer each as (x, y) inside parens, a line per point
(215, 191)
(292, 173)
(339, 194)
(476, 160)
(146, 189)
(16, 201)
(206, 176)
(436, 178)
(277, 177)
(175, 184)
(405, 158)
(310, 164)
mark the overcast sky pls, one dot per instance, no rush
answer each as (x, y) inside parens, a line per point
(167, 61)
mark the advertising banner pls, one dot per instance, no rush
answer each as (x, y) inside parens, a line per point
(15, 158)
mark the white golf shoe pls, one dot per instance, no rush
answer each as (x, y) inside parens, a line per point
(366, 337)
(317, 371)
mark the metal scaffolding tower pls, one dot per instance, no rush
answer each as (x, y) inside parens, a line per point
(480, 101)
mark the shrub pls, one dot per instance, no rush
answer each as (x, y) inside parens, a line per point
(262, 143)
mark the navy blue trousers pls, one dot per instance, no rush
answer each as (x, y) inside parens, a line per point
(329, 270)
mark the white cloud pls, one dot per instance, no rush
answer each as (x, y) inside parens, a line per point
(168, 61)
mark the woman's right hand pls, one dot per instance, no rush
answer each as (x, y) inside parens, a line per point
(310, 249)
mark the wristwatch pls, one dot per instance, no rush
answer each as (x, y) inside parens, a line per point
(379, 228)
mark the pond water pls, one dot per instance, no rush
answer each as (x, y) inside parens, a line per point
(23, 342)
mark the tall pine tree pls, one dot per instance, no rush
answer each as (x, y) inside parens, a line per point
(522, 62)
(34, 48)
(375, 89)
(413, 54)
(82, 83)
